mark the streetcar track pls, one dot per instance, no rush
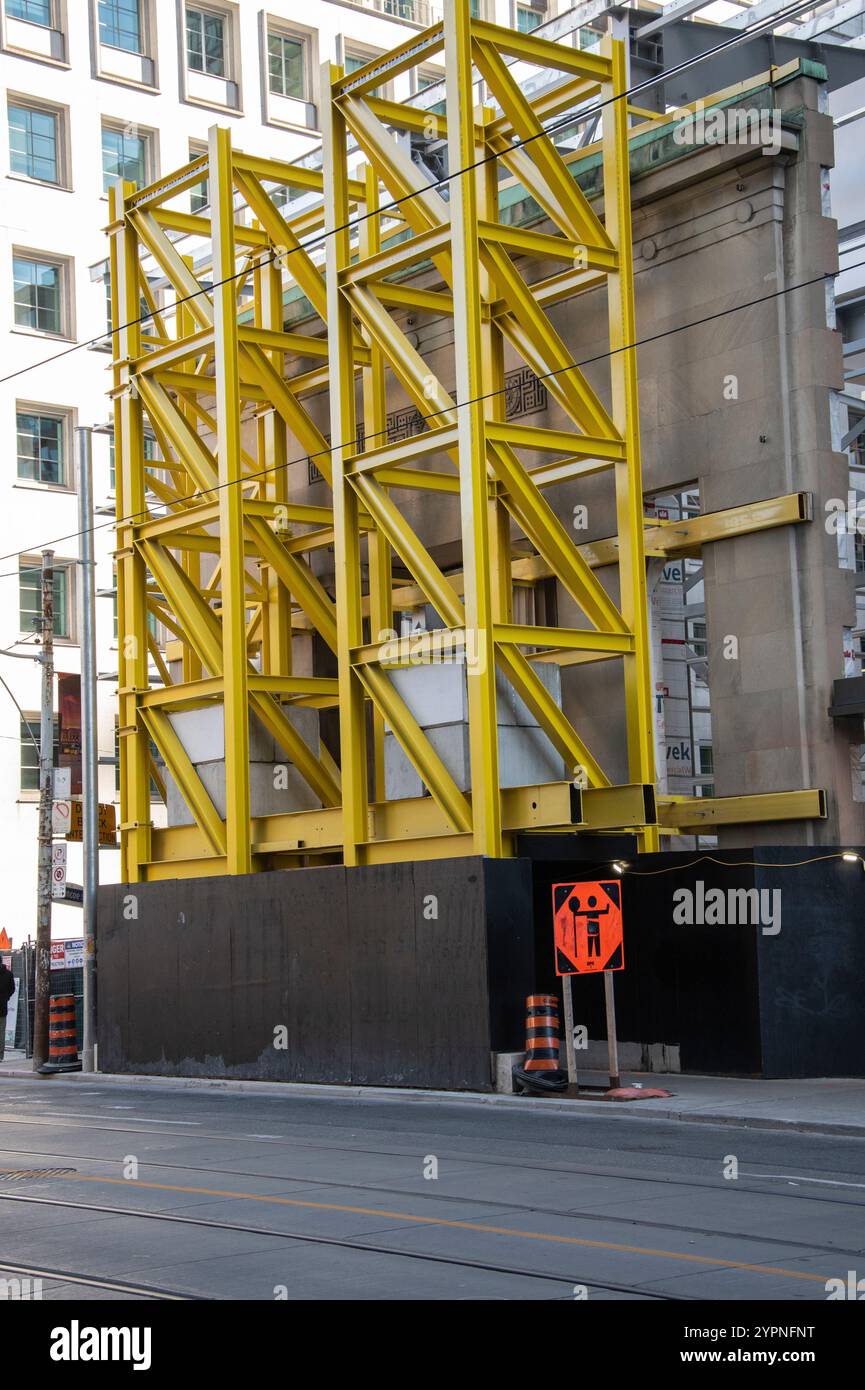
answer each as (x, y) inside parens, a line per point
(448, 1223)
(527, 1208)
(65, 1276)
(306, 1238)
(580, 1170)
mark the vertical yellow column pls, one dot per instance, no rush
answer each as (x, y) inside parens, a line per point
(474, 493)
(343, 424)
(233, 569)
(625, 413)
(190, 559)
(375, 432)
(273, 484)
(494, 386)
(131, 508)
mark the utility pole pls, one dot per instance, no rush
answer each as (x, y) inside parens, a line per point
(46, 797)
(89, 741)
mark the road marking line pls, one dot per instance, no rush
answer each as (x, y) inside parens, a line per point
(794, 1177)
(413, 1218)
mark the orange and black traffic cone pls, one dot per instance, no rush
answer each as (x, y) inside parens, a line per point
(62, 1049)
(540, 1070)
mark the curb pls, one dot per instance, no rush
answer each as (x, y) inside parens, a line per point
(420, 1097)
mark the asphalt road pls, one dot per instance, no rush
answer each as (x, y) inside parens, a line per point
(145, 1192)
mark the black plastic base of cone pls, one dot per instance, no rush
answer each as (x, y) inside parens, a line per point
(56, 1068)
(540, 1083)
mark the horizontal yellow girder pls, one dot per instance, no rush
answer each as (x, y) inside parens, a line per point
(690, 814)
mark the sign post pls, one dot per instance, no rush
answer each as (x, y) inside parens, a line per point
(587, 931)
(570, 1050)
(612, 1041)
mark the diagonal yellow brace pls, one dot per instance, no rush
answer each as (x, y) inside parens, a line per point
(543, 528)
(190, 785)
(171, 261)
(200, 624)
(531, 330)
(553, 721)
(310, 767)
(572, 213)
(418, 748)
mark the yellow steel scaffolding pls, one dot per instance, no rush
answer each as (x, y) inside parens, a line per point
(212, 546)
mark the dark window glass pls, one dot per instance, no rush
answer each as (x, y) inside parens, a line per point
(120, 24)
(124, 156)
(205, 42)
(30, 599)
(37, 295)
(31, 744)
(36, 11)
(33, 143)
(40, 448)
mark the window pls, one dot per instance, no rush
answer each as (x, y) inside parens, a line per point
(285, 66)
(205, 42)
(528, 18)
(199, 195)
(352, 62)
(151, 454)
(428, 78)
(41, 447)
(33, 142)
(38, 294)
(707, 761)
(697, 637)
(120, 24)
(124, 156)
(31, 746)
(152, 620)
(30, 598)
(34, 11)
(144, 310)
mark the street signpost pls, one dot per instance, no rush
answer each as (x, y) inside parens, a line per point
(71, 893)
(107, 822)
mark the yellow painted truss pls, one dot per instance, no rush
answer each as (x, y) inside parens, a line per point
(212, 544)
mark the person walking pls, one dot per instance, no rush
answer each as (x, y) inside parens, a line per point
(7, 989)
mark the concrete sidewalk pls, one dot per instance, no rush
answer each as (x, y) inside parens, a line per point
(820, 1105)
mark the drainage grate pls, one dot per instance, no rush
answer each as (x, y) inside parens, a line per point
(19, 1174)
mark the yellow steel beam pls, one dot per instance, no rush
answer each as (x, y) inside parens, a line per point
(343, 424)
(624, 807)
(689, 814)
(132, 579)
(233, 585)
(375, 427)
(625, 408)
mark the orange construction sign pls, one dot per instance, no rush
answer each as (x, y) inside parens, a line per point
(5, 941)
(587, 925)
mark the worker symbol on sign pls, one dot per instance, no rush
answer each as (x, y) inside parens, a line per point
(588, 927)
